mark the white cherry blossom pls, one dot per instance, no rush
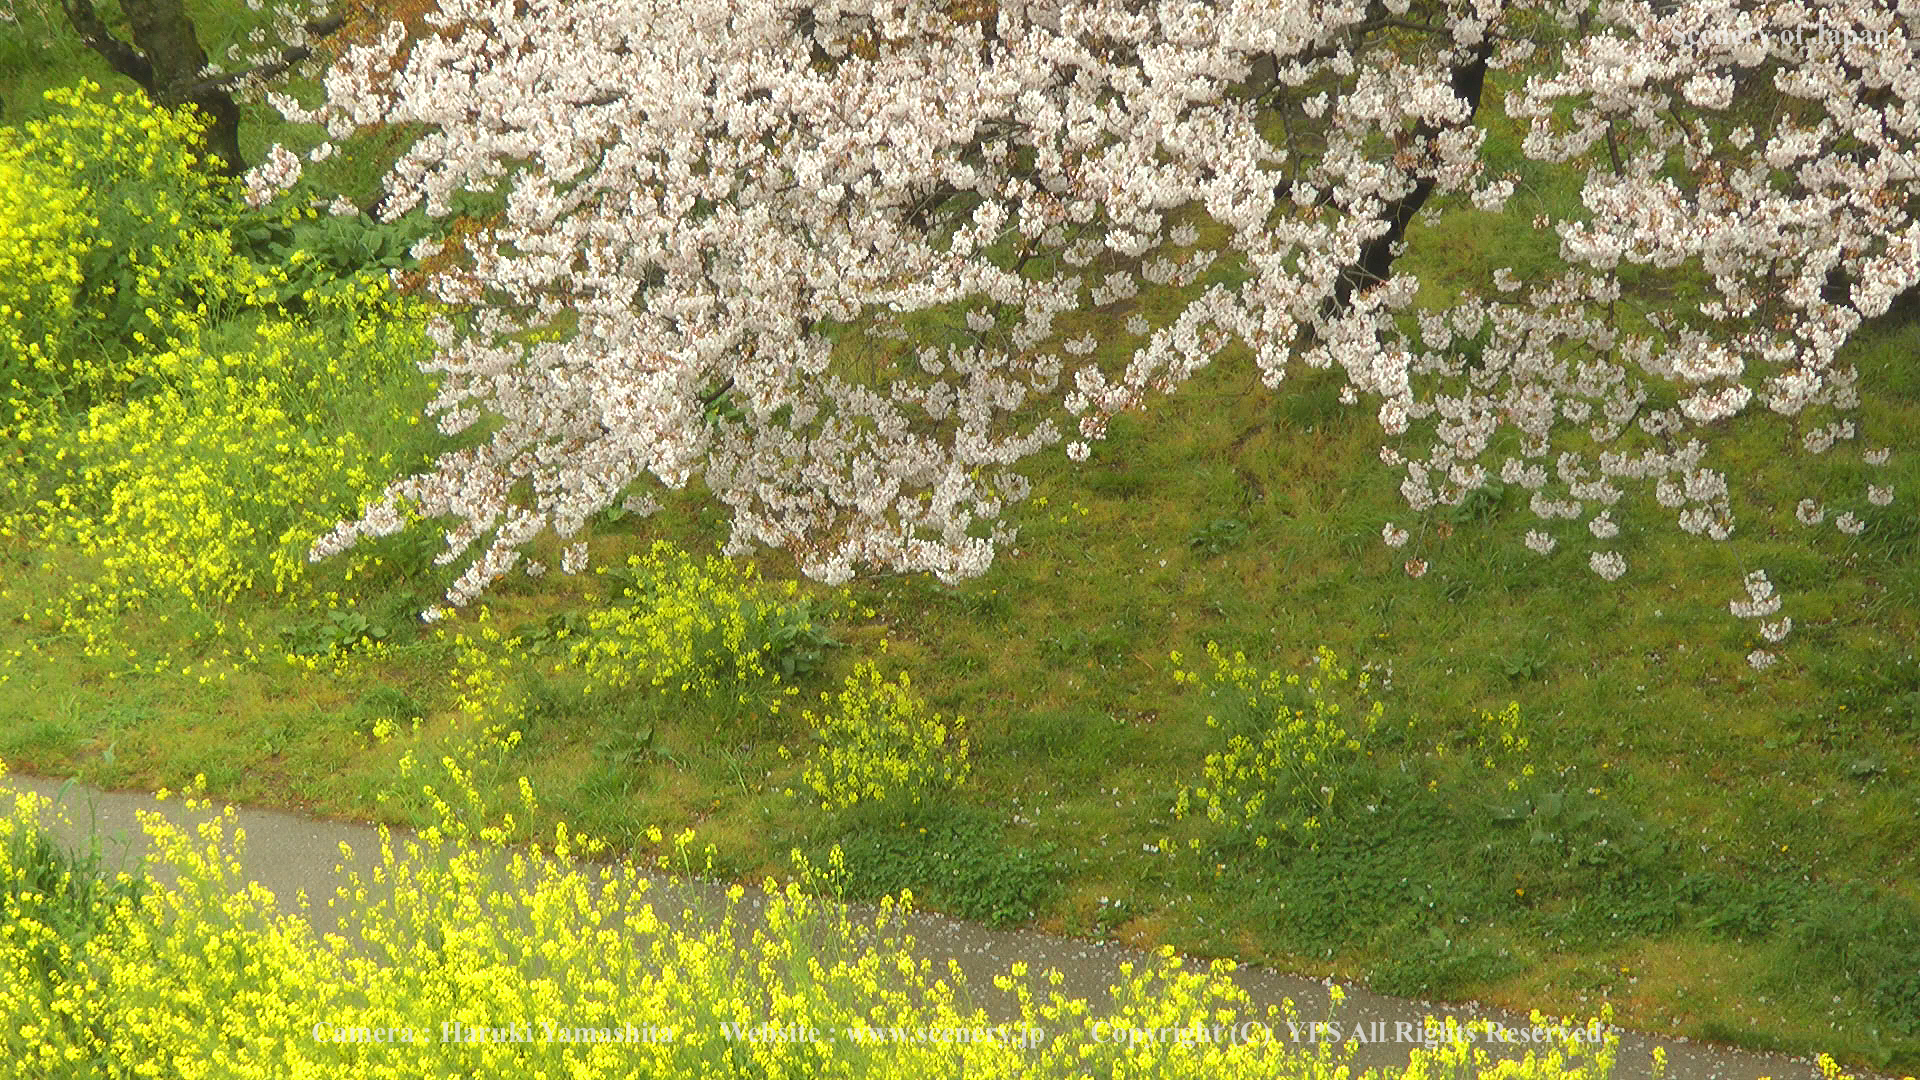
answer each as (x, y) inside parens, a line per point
(698, 196)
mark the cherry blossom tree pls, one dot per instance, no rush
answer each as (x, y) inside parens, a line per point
(699, 198)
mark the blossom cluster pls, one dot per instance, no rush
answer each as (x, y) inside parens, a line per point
(666, 294)
(1762, 601)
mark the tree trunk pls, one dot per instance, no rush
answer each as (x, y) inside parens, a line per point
(1469, 81)
(166, 59)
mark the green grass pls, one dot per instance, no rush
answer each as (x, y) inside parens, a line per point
(1716, 852)
(954, 858)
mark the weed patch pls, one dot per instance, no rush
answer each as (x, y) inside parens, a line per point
(952, 857)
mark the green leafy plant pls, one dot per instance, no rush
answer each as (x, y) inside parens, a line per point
(308, 254)
(1523, 666)
(338, 632)
(1480, 505)
(1104, 645)
(792, 642)
(957, 858)
(1549, 817)
(562, 626)
(1219, 536)
(629, 747)
(1441, 964)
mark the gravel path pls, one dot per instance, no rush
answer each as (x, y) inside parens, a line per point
(288, 853)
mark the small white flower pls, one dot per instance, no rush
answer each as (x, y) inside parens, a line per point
(1761, 600)
(1810, 512)
(1541, 543)
(1393, 535)
(1776, 632)
(280, 171)
(1876, 457)
(1760, 659)
(1820, 440)
(1608, 564)
(1879, 496)
(1077, 451)
(1603, 527)
(1493, 196)
(1849, 524)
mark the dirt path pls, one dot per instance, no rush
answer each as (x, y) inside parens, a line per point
(288, 853)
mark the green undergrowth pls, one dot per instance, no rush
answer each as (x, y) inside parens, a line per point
(1572, 794)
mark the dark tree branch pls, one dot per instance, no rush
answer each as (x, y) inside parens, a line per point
(1376, 260)
(280, 65)
(119, 55)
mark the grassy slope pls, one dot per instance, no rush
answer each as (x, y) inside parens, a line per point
(1762, 827)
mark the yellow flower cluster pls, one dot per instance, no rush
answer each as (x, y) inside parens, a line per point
(482, 673)
(114, 237)
(216, 481)
(485, 701)
(39, 265)
(1284, 773)
(700, 627)
(477, 737)
(881, 742)
(170, 431)
(462, 956)
(1502, 741)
